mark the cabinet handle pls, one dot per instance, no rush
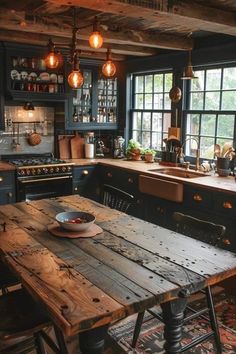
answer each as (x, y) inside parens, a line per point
(109, 174)
(130, 180)
(227, 205)
(85, 172)
(226, 242)
(197, 197)
(9, 194)
(160, 210)
(1, 179)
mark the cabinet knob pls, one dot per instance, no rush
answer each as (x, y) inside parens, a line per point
(226, 242)
(160, 210)
(76, 189)
(1, 179)
(227, 205)
(9, 194)
(109, 174)
(197, 197)
(130, 180)
(85, 172)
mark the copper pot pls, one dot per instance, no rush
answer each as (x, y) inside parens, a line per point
(34, 138)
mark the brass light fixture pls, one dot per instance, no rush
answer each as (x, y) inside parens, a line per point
(109, 68)
(52, 60)
(28, 106)
(95, 39)
(188, 70)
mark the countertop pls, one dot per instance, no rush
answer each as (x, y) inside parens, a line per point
(210, 181)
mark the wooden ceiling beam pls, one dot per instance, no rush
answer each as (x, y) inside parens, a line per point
(118, 52)
(171, 13)
(121, 37)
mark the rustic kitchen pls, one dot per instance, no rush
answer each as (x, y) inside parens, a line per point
(117, 176)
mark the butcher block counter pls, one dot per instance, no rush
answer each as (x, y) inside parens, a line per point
(86, 284)
(4, 166)
(210, 181)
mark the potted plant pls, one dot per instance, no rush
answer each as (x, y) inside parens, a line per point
(149, 155)
(134, 150)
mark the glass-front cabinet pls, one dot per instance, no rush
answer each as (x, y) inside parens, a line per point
(94, 105)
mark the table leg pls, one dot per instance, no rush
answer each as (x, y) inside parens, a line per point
(173, 316)
(92, 341)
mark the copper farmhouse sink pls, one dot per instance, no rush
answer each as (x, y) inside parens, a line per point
(178, 172)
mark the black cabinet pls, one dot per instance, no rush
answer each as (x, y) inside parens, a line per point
(27, 76)
(7, 187)
(85, 182)
(94, 105)
(126, 181)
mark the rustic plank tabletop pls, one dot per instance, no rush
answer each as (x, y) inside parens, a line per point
(87, 284)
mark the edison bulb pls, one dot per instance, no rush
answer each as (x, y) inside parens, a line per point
(109, 68)
(96, 40)
(75, 79)
(52, 60)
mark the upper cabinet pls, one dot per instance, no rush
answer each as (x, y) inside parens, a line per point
(28, 77)
(94, 105)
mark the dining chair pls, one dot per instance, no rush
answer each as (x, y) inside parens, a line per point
(116, 198)
(210, 233)
(7, 278)
(24, 324)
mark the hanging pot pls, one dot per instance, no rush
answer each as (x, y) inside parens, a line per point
(34, 138)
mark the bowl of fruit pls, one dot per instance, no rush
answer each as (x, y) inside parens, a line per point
(75, 220)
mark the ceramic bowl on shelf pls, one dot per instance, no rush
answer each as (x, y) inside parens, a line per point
(75, 220)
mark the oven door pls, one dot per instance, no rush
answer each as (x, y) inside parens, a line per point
(39, 188)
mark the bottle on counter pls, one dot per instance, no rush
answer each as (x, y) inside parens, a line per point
(89, 145)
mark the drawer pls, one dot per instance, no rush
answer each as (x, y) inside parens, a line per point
(225, 204)
(7, 179)
(197, 197)
(119, 178)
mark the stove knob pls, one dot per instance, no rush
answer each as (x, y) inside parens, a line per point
(22, 172)
(39, 171)
(69, 168)
(64, 169)
(57, 169)
(45, 170)
(51, 170)
(28, 172)
(33, 171)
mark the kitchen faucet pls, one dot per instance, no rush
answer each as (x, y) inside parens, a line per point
(197, 168)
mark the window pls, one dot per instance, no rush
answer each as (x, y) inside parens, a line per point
(151, 112)
(212, 108)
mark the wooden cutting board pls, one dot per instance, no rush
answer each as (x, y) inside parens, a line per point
(77, 147)
(64, 147)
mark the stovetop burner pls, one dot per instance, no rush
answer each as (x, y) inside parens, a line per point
(36, 161)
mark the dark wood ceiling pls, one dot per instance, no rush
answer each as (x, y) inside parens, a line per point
(129, 27)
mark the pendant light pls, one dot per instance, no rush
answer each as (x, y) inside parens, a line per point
(75, 78)
(95, 39)
(52, 59)
(188, 71)
(109, 68)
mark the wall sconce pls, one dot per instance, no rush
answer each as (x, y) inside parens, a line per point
(109, 68)
(28, 106)
(95, 39)
(188, 70)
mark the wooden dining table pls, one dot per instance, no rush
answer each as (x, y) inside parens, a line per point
(87, 284)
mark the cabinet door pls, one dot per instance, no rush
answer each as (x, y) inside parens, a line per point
(7, 187)
(85, 182)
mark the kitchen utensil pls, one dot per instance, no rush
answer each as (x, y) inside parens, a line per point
(217, 150)
(225, 148)
(71, 220)
(64, 147)
(34, 138)
(77, 147)
(14, 143)
(18, 147)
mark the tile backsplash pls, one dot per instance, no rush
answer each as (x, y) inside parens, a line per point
(19, 123)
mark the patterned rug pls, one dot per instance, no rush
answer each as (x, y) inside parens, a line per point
(151, 338)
